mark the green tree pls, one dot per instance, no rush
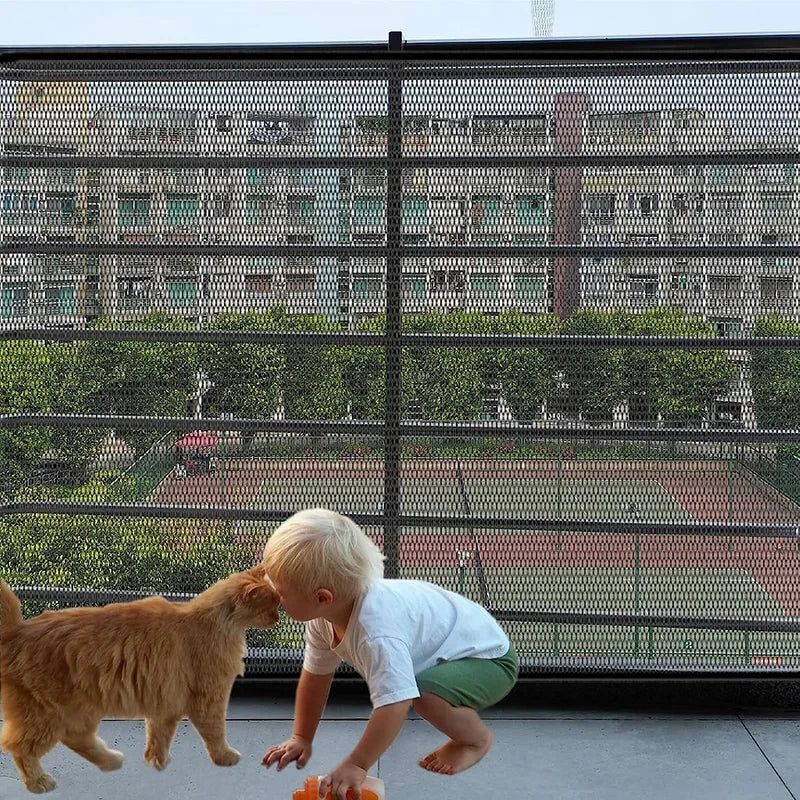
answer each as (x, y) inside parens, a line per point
(450, 381)
(527, 374)
(76, 447)
(100, 552)
(775, 376)
(365, 374)
(313, 380)
(245, 377)
(141, 378)
(594, 376)
(677, 383)
(31, 381)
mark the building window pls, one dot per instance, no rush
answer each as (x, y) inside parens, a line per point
(485, 283)
(486, 211)
(134, 292)
(92, 294)
(16, 174)
(726, 203)
(725, 174)
(509, 129)
(775, 291)
(60, 207)
(643, 287)
(643, 205)
(181, 209)
(725, 287)
(134, 211)
(258, 209)
(368, 211)
(370, 177)
(777, 173)
(92, 211)
(300, 209)
(414, 285)
(530, 209)
(19, 205)
(219, 206)
(258, 284)
(415, 211)
(686, 204)
(727, 328)
(301, 176)
(182, 293)
(444, 280)
(530, 287)
(14, 301)
(600, 205)
(776, 204)
(300, 283)
(260, 176)
(367, 286)
(679, 282)
(59, 298)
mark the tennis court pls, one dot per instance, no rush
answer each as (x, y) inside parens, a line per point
(569, 571)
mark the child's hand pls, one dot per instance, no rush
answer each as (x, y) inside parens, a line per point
(346, 776)
(295, 748)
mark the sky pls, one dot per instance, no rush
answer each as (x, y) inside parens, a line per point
(108, 22)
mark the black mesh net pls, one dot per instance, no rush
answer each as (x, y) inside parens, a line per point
(533, 325)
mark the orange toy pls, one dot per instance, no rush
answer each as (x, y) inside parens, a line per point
(372, 789)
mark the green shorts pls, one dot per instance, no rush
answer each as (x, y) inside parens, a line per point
(474, 682)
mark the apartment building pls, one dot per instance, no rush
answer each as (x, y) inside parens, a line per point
(480, 207)
(685, 205)
(52, 206)
(290, 206)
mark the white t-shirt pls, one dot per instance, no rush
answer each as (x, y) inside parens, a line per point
(399, 628)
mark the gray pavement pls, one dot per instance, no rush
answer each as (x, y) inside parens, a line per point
(566, 751)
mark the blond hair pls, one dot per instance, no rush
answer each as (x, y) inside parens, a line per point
(318, 547)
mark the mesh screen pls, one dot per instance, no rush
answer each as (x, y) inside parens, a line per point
(533, 325)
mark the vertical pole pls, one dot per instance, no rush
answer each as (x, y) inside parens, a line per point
(559, 494)
(391, 486)
(637, 588)
(730, 492)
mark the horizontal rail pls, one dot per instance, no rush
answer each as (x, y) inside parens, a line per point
(436, 251)
(456, 430)
(780, 45)
(449, 522)
(307, 338)
(84, 596)
(154, 159)
(645, 621)
(62, 594)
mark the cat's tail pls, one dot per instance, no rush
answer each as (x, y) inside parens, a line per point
(10, 610)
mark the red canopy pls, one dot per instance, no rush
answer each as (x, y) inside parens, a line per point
(197, 440)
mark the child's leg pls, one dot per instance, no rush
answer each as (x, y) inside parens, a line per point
(450, 694)
(469, 740)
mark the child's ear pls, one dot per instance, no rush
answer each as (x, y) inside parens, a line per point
(324, 596)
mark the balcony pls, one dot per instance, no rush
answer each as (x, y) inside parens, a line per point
(725, 753)
(607, 546)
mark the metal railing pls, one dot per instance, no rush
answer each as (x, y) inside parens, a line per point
(533, 498)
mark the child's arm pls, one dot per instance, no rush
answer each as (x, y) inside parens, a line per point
(310, 698)
(382, 729)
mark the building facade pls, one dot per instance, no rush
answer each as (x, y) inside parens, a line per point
(289, 206)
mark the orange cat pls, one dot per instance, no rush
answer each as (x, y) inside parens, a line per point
(63, 671)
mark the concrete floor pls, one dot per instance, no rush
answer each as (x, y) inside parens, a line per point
(574, 749)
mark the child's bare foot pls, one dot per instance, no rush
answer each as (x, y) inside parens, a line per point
(453, 757)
